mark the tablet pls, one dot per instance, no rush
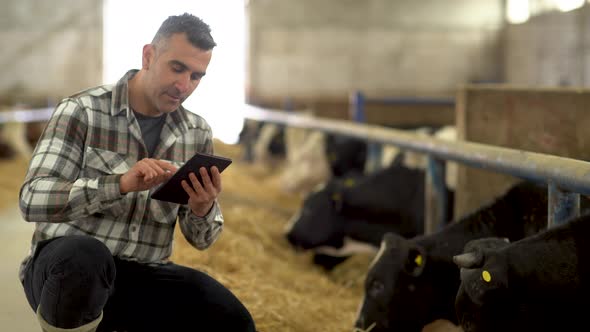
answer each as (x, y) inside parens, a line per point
(172, 191)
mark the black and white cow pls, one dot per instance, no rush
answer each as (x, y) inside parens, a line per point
(345, 154)
(262, 141)
(313, 157)
(540, 283)
(318, 225)
(351, 214)
(412, 282)
(396, 191)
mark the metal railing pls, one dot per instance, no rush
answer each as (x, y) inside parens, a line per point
(26, 115)
(359, 100)
(566, 177)
(357, 108)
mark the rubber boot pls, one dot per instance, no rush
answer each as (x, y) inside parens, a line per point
(89, 327)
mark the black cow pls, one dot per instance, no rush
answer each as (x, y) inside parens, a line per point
(539, 283)
(413, 282)
(345, 154)
(360, 209)
(396, 191)
(318, 223)
(7, 151)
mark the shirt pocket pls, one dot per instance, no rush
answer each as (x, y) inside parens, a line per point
(100, 162)
(103, 162)
(163, 212)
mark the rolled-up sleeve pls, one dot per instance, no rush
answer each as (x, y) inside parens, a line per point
(202, 232)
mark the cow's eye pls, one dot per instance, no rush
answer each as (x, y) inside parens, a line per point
(376, 288)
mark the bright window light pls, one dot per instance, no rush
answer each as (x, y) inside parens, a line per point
(567, 5)
(220, 95)
(517, 11)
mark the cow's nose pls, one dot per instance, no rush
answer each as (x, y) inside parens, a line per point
(360, 323)
(293, 240)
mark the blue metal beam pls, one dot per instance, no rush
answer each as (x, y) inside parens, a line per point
(563, 205)
(436, 212)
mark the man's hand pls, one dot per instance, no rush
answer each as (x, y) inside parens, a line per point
(146, 174)
(202, 197)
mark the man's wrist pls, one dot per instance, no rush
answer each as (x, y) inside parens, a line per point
(207, 211)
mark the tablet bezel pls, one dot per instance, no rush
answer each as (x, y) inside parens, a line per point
(172, 191)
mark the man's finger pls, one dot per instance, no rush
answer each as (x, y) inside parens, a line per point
(216, 178)
(166, 166)
(206, 180)
(189, 190)
(195, 181)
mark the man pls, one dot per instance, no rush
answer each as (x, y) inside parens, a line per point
(100, 250)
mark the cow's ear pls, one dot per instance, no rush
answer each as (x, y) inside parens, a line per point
(469, 260)
(415, 262)
(474, 251)
(394, 241)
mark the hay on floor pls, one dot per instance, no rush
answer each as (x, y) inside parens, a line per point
(282, 289)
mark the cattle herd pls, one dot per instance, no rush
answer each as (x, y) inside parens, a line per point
(498, 268)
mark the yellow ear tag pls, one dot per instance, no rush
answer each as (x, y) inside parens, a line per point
(418, 260)
(349, 182)
(332, 157)
(487, 277)
(336, 197)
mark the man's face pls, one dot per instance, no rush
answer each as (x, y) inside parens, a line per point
(173, 70)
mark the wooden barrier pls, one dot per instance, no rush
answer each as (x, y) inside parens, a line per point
(545, 120)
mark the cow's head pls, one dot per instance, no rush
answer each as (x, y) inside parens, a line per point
(316, 223)
(396, 291)
(481, 303)
(345, 154)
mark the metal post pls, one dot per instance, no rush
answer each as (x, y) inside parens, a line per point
(436, 214)
(357, 107)
(563, 205)
(248, 140)
(358, 114)
(288, 104)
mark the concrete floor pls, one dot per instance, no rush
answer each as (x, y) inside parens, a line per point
(15, 235)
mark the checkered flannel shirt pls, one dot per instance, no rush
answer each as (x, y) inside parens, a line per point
(72, 185)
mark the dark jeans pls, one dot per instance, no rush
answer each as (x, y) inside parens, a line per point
(72, 279)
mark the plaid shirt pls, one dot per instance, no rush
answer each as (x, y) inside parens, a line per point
(72, 185)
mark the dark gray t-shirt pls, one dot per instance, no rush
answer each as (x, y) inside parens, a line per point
(150, 130)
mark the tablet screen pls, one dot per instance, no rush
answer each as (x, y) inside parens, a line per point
(172, 191)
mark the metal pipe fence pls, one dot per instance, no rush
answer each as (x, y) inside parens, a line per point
(566, 177)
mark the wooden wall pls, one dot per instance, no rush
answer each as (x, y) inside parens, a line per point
(545, 120)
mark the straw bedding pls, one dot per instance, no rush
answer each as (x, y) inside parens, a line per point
(281, 288)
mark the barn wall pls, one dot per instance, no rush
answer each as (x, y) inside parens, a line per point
(544, 120)
(317, 52)
(50, 49)
(549, 50)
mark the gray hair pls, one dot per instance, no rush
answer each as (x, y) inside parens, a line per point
(197, 32)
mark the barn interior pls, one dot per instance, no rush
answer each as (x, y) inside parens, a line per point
(509, 73)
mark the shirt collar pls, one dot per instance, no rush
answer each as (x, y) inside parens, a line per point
(120, 100)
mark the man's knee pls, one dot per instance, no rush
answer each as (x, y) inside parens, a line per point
(200, 294)
(79, 277)
(83, 256)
